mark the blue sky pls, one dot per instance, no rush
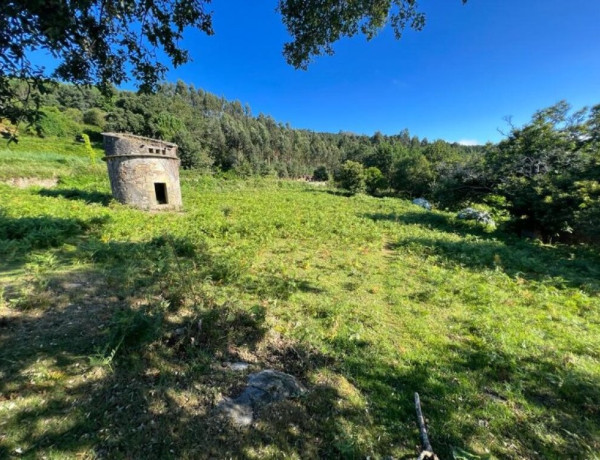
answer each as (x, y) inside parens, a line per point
(456, 80)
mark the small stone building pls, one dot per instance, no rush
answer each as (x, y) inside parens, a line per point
(143, 172)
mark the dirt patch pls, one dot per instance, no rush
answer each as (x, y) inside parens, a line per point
(25, 182)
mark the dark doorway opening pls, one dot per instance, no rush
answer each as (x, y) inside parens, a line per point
(160, 190)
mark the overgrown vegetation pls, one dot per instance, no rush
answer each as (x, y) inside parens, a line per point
(116, 325)
(542, 179)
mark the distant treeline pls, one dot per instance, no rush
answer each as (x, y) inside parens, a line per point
(213, 132)
(543, 178)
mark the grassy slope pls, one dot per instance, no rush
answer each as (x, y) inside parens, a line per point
(366, 300)
(42, 158)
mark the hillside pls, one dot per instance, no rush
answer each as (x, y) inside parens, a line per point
(541, 179)
(116, 326)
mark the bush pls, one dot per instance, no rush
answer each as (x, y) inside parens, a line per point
(74, 114)
(52, 122)
(413, 174)
(95, 117)
(546, 172)
(88, 148)
(351, 177)
(587, 216)
(374, 180)
(321, 174)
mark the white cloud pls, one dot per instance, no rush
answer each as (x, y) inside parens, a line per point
(469, 142)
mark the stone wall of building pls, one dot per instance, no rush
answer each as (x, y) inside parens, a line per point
(143, 172)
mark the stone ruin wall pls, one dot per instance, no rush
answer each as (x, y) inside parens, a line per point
(137, 166)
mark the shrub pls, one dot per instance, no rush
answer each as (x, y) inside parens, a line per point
(243, 168)
(351, 177)
(52, 122)
(587, 216)
(374, 180)
(88, 148)
(282, 171)
(95, 117)
(321, 174)
(74, 115)
(413, 174)
(543, 171)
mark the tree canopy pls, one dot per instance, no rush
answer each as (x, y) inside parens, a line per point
(316, 24)
(106, 43)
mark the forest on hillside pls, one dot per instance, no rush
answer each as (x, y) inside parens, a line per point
(542, 180)
(213, 132)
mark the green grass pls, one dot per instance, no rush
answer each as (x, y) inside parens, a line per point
(44, 158)
(365, 300)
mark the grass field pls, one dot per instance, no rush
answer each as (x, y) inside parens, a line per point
(365, 300)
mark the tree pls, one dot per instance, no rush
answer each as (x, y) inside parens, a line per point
(191, 152)
(94, 116)
(413, 174)
(95, 42)
(315, 25)
(547, 172)
(374, 180)
(351, 177)
(382, 158)
(321, 174)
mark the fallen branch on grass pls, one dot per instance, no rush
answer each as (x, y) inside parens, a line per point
(427, 450)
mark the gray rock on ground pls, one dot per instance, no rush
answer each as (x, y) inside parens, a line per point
(483, 217)
(263, 388)
(422, 202)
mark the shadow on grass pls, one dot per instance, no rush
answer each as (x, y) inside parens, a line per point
(76, 194)
(433, 221)
(557, 267)
(334, 192)
(120, 379)
(541, 403)
(575, 266)
(128, 362)
(116, 372)
(21, 235)
(278, 287)
(110, 366)
(568, 397)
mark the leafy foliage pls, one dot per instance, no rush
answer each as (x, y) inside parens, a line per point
(315, 25)
(52, 122)
(548, 172)
(93, 41)
(374, 180)
(88, 148)
(321, 174)
(107, 43)
(95, 117)
(545, 173)
(413, 174)
(351, 176)
(224, 135)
